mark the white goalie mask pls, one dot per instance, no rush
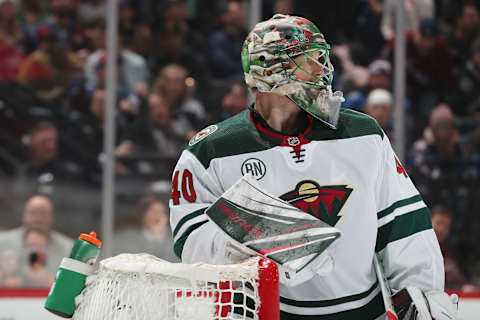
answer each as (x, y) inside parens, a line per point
(288, 55)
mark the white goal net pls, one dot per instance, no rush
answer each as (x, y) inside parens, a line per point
(143, 287)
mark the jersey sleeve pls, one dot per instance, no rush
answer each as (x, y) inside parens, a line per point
(406, 242)
(194, 189)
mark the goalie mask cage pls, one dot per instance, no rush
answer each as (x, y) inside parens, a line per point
(144, 287)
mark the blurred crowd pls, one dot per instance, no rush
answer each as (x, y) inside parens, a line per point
(179, 69)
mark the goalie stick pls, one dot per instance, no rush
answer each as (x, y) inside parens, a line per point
(385, 289)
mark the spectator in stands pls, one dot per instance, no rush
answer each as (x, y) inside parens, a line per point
(176, 18)
(367, 36)
(454, 275)
(94, 34)
(126, 17)
(51, 67)
(380, 75)
(128, 101)
(31, 21)
(133, 73)
(132, 67)
(415, 11)
(226, 43)
(10, 270)
(94, 122)
(91, 10)
(351, 77)
(150, 233)
(234, 101)
(157, 134)
(35, 248)
(9, 30)
(174, 48)
(175, 86)
(179, 44)
(44, 163)
(358, 81)
(129, 98)
(172, 15)
(10, 55)
(429, 68)
(136, 33)
(87, 131)
(437, 159)
(43, 143)
(379, 105)
(27, 267)
(465, 30)
(467, 83)
(446, 12)
(38, 214)
(62, 20)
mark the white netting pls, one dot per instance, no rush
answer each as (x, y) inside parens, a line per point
(143, 287)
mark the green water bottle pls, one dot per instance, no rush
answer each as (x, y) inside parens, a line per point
(71, 275)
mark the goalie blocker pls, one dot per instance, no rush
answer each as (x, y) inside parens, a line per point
(257, 223)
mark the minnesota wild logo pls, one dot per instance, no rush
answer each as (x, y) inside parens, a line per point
(202, 134)
(323, 202)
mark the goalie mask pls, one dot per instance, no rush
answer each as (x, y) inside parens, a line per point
(288, 55)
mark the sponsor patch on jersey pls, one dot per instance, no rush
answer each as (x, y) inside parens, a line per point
(255, 167)
(202, 134)
(323, 202)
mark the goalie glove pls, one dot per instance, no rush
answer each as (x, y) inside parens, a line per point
(412, 303)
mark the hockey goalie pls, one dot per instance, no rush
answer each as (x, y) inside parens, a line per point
(334, 165)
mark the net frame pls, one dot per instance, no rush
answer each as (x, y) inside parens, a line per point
(141, 287)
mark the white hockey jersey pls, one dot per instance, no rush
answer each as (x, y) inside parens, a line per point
(349, 177)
